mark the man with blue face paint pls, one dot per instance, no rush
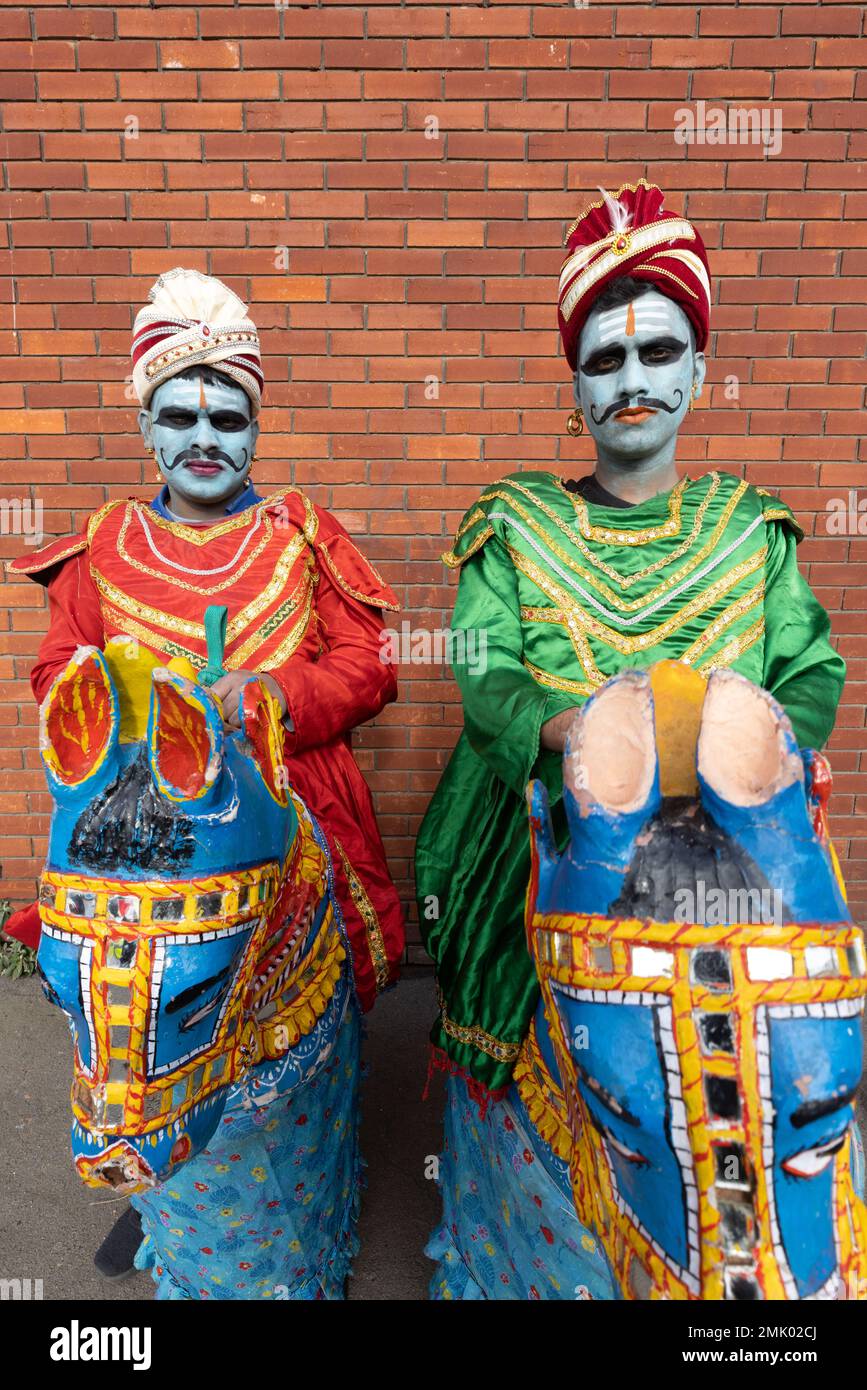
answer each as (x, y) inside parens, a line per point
(569, 581)
(303, 605)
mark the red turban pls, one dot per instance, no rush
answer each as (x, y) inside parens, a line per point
(629, 234)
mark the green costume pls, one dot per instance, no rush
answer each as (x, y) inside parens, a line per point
(560, 594)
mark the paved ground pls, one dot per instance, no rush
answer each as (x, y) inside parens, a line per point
(50, 1224)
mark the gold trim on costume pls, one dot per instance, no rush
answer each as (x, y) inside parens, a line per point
(619, 535)
(619, 641)
(155, 616)
(236, 625)
(734, 649)
(455, 561)
(158, 641)
(470, 520)
(745, 604)
(367, 913)
(559, 682)
(302, 593)
(626, 606)
(477, 1037)
(205, 590)
(290, 643)
(372, 602)
(201, 535)
(43, 562)
(542, 1096)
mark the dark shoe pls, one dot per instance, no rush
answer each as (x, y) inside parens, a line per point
(114, 1258)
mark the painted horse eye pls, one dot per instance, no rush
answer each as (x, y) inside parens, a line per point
(810, 1162)
(48, 989)
(631, 1155)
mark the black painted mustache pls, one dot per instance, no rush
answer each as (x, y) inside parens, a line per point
(651, 402)
(212, 456)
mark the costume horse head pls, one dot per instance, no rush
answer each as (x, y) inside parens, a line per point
(188, 930)
(702, 986)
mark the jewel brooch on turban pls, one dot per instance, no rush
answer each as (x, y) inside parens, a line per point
(629, 234)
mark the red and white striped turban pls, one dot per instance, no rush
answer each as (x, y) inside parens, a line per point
(630, 234)
(191, 320)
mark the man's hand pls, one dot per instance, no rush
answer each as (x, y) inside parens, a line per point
(553, 732)
(228, 691)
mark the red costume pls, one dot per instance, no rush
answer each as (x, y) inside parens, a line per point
(303, 605)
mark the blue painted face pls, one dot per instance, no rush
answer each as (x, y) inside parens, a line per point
(167, 863)
(203, 435)
(815, 1067)
(627, 1079)
(636, 368)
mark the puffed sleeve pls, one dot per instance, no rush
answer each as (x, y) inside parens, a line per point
(802, 670)
(504, 706)
(353, 678)
(75, 620)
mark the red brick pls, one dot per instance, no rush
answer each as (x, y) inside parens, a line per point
(305, 128)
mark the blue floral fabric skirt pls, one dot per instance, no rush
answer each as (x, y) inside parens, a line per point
(509, 1227)
(268, 1210)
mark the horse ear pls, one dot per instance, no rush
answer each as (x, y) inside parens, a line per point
(263, 726)
(543, 851)
(79, 723)
(610, 766)
(747, 751)
(184, 738)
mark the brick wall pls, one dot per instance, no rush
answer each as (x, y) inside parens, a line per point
(418, 163)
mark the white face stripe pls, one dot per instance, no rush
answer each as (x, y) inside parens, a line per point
(647, 314)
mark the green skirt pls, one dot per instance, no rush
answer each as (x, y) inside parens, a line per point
(472, 871)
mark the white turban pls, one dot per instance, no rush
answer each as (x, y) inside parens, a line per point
(194, 320)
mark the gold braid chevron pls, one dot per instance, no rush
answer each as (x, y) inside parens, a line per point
(620, 535)
(236, 625)
(574, 614)
(669, 582)
(205, 590)
(155, 640)
(734, 649)
(671, 557)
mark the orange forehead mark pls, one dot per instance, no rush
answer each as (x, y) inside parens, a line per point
(203, 404)
(630, 321)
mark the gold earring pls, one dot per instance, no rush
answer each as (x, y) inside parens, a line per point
(692, 396)
(575, 423)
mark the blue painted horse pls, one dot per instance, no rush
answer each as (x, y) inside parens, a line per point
(191, 934)
(681, 1120)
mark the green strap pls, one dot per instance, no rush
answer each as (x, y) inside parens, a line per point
(215, 636)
